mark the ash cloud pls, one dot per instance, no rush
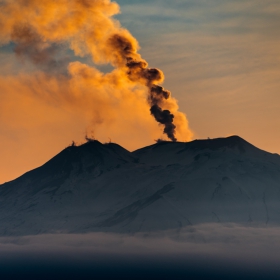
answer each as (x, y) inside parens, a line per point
(42, 29)
(29, 45)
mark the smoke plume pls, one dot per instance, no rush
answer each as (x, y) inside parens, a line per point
(138, 71)
(41, 29)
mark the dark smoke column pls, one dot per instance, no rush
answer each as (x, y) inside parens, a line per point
(157, 94)
(164, 117)
(138, 71)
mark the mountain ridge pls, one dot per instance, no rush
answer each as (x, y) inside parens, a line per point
(203, 144)
(104, 187)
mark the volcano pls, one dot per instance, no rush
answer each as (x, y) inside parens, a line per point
(99, 187)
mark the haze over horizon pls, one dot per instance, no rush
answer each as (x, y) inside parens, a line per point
(220, 60)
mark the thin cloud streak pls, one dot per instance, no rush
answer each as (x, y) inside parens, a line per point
(248, 245)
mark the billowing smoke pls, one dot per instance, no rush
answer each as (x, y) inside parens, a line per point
(138, 71)
(41, 29)
(157, 94)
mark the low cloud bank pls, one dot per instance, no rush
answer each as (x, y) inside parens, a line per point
(207, 251)
(250, 244)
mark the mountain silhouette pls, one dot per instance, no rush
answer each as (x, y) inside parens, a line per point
(104, 187)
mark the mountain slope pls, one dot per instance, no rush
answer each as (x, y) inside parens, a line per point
(96, 187)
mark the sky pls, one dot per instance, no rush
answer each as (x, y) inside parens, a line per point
(220, 60)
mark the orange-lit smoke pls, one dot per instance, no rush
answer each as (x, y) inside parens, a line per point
(132, 91)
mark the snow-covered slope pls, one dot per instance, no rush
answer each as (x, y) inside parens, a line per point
(97, 187)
